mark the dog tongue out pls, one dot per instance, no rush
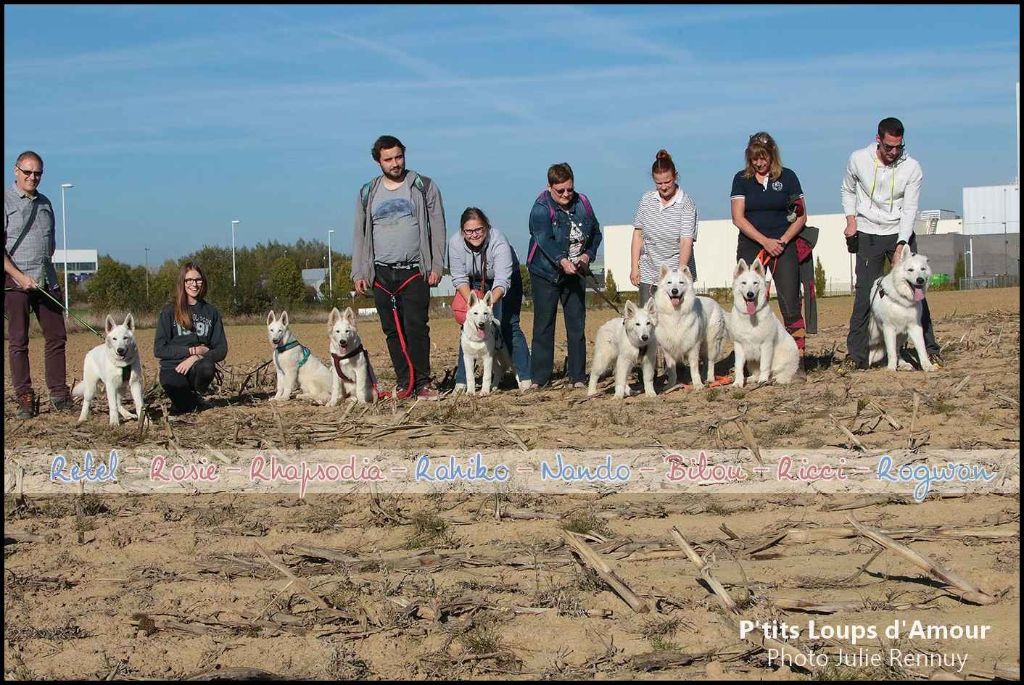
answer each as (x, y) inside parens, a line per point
(751, 307)
(918, 294)
(480, 334)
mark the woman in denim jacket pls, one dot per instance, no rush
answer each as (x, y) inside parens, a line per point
(564, 237)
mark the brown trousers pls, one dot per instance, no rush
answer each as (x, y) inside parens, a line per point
(17, 306)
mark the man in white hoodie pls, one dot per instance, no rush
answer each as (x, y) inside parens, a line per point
(880, 193)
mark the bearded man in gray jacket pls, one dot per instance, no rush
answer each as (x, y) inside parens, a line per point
(398, 249)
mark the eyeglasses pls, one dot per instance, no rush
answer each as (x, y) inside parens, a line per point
(893, 148)
(37, 174)
(474, 231)
(562, 191)
(760, 139)
(193, 281)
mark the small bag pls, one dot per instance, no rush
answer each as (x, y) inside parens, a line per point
(460, 306)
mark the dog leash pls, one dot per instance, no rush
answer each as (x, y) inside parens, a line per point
(585, 270)
(369, 367)
(59, 304)
(401, 336)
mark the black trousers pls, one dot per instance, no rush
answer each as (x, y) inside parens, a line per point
(413, 305)
(182, 388)
(872, 251)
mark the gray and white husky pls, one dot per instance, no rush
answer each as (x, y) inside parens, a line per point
(760, 341)
(116, 364)
(295, 364)
(353, 375)
(897, 301)
(624, 341)
(690, 327)
(481, 339)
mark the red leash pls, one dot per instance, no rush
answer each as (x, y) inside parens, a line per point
(401, 337)
(763, 257)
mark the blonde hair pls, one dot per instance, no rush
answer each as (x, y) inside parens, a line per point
(761, 144)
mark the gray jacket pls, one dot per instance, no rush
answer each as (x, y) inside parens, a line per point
(465, 263)
(429, 214)
(29, 234)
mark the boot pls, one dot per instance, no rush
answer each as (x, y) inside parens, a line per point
(26, 405)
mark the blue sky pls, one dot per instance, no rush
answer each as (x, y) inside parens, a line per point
(172, 120)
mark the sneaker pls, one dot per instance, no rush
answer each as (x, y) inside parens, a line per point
(26, 405)
(579, 384)
(526, 385)
(427, 393)
(62, 402)
(460, 387)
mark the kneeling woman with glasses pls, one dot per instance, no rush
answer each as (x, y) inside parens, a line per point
(481, 258)
(189, 341)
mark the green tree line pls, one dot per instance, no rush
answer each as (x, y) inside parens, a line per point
(268, 276)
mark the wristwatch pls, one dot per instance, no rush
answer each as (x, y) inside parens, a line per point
(784, 242)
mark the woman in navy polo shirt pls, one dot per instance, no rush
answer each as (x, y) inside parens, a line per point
(762, 196)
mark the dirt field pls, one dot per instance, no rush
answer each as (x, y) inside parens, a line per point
(442, 587)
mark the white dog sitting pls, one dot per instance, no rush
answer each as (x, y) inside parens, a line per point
(295, 364)
(115, 363)
(690, 327)
(761, 342)
(625, 341)
(896, 308)
(481, 339)
(353, 375)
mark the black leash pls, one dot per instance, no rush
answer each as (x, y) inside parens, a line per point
(585, 270)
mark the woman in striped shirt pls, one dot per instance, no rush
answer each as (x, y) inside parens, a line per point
(664, 228)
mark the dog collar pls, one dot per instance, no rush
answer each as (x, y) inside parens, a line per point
(287, 346)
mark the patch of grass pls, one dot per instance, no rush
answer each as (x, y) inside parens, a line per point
(662, 644)
(429, 529)
(786, 426)
(943, 407)
(711, 394)
(585, 522)
(659, 627)
(565, 598)
(737, 394)
(343, 664)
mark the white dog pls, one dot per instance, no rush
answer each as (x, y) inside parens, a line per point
(625, 341)
(353, 376)
(295, 363)
(481, 339)
(896, 307)
(760, 341)
(690, 327)
(115, 363)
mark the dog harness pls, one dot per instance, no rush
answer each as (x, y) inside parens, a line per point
(284, 348)
(369, 367)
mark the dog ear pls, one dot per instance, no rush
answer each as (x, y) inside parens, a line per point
(487, 298)
(270, 317)
(686, 272)
(663, 271)
(473, 299)
(110, 323)
(630, 309)
(129, 322)
(349, 315)
(741, 266)
(284, 318)
(652, 310)
(333, 317)
(757, 267)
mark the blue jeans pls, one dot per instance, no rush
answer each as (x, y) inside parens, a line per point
(507, 312)
(546, 295)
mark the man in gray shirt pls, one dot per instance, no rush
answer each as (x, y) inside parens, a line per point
(29, 242)
(398, 248)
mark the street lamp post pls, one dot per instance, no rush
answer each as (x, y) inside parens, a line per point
(64, 230)
(330, 265)
(147, 274)
(234, 277)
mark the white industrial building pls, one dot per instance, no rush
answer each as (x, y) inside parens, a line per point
(80, 262)
(715, 250)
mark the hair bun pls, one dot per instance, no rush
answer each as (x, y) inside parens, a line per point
(663, 154)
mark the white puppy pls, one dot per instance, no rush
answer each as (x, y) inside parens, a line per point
(896, 307)
(761, 342)
(625, 341)
(481, 339)
(295, 364)
(353, 375)
(115, 363)
(690, 327)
